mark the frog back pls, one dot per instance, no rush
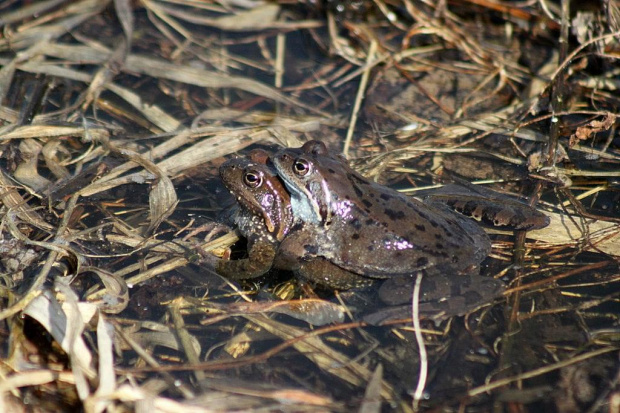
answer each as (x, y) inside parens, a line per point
(385, 233)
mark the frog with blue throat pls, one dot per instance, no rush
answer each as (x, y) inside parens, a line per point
(370, 229)
(375, 232)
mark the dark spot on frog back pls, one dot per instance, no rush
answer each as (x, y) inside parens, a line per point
(356, 224)
(394, 215)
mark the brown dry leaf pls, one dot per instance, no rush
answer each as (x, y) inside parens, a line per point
(258, 18)
(162, 202)
(64, 328)
(27, 171)
(107, 376)
(593, 127)
(162, 69)
(115, 297)
(162, 198)
(146, 399)
(51, 151)
(104, 76)
(11, 198)
(372, 395)
(267, 391)
(48, 131)
(11, 384)
(167, 339)
(26, 11)
(78, 316)
(313, 311)
(261, 17)
(238, 345)
(198, 153)
(151, 112)
(125, 16)
(200, 77)
(70, 17)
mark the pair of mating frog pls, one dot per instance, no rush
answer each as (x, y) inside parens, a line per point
(306, 210)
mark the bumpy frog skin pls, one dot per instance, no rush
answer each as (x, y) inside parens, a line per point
(369, 229)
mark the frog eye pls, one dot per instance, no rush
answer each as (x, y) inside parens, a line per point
(252, 179)
(301, 167)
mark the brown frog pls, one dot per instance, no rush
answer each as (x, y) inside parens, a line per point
(264, 216)
(369, 229)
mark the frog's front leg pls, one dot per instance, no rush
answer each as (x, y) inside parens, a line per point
(260, 260)
(297, 252)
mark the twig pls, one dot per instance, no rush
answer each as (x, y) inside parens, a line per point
(360, 96)
(280, 51)
(415, 314)
(540, 371)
